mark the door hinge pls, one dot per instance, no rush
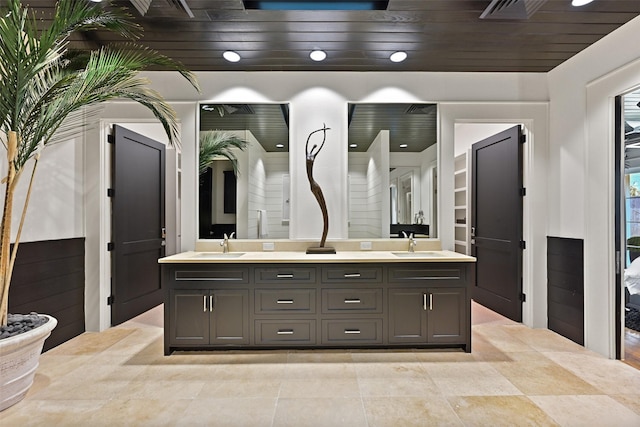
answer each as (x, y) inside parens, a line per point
(111, 139)
(523, 297)
(523, 138)
(523, 244)
(523, 192)
(110, 300)
(111, 192)
(110, 246)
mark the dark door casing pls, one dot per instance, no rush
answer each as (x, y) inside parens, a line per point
(496, 221)
(137, 221)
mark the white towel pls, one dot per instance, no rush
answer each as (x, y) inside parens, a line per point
(263, 228)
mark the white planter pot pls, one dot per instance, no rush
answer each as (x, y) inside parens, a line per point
(19, 358)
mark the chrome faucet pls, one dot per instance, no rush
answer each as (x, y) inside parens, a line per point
(412, 243)
(225, 242)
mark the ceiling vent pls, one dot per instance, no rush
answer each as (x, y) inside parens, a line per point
(421, 109)
(512, 9)
(162, 8)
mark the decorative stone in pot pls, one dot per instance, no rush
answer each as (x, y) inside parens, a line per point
(19, 359)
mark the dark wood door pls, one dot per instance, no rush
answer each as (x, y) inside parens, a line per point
(137, 223)
(496, 211)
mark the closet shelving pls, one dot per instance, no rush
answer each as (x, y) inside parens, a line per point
(462, 203)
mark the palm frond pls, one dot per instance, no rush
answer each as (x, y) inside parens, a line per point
(215, 144)
(46, 91)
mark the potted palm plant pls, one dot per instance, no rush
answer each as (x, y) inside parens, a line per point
(45, 89)
(219, 144)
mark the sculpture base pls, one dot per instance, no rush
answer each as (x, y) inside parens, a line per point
(321, 250)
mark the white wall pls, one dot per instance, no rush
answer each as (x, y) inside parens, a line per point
(581, 180)
(55, 208)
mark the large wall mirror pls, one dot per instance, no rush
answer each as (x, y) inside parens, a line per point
(392, 170)
(254, 202)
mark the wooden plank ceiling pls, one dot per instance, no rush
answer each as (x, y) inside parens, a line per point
(438, 35)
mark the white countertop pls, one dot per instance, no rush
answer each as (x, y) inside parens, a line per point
(301, 257)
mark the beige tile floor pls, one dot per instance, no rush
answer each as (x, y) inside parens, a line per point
(515, 376)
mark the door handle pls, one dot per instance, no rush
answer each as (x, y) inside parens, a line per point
(424, 301)
(473, 231)
(211, 303)
(204, 303)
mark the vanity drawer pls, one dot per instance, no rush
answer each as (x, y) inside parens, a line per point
(231, 275)
(453, 275)
(284, 275)
(344, 331)
(285, 300)
(352, 300)
(352, 274)
(292, 332)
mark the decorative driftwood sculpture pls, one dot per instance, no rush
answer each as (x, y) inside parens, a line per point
(317, 191)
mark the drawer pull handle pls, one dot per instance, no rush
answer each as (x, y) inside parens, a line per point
(352, 301)
(284, 301)
(352, 331)
(351, 275)
(285, 332)
(284, 276)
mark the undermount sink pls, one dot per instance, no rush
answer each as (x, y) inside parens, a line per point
(429, 254)
(211, 255)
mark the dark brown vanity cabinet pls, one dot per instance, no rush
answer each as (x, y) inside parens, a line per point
(202, 317)
(430, 305)
(430, 315)
(348, 305)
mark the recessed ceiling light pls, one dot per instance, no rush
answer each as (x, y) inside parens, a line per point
(279, 145)
(318, 55)
(398, 56)
(403, 145)
(578, 3)
(231, 56)
(353, 145)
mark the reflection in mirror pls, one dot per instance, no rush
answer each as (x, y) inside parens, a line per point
(392, 170)
(254, 203)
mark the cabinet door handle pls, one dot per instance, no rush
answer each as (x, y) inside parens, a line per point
(430, 301)
(211, 303)
(424, 301)
(352, 301)
(285, 332)
(284, 276)
(352, 331)
(204, 303)
(284, 301)
(351, 275)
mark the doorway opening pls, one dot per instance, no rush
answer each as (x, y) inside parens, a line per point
(627, 112)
